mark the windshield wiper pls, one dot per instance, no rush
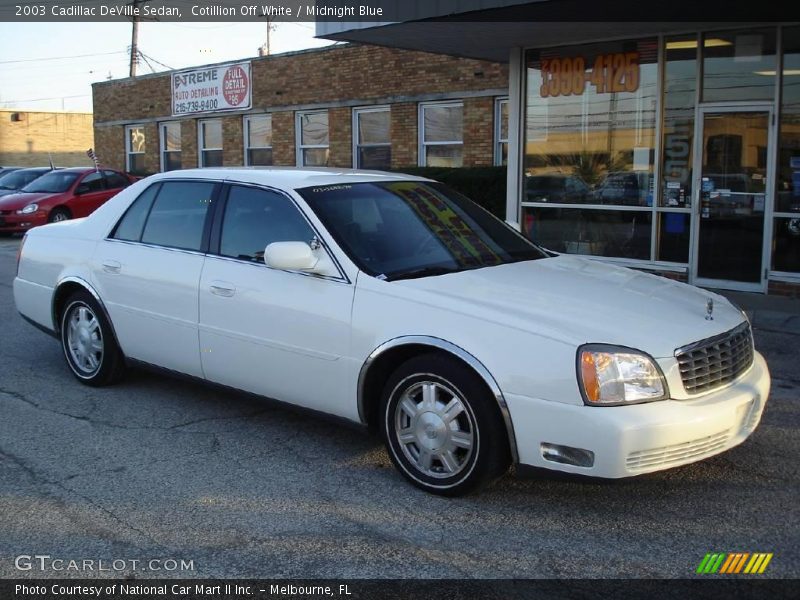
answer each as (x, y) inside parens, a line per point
(422, 272)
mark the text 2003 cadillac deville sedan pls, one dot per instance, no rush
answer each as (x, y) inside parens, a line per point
(395, 302)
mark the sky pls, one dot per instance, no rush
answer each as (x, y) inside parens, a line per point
(51, 66)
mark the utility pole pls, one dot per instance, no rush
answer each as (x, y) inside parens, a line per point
(134, 37)
(270, 27)
(136, 4)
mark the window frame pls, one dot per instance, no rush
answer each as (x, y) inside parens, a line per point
(128, 150)
(246, 138)
(220, 204)
(200, 148)
(498, 129)
(162, 143)
(357, 145)
(298, 134)
(210, 217)
(422, 158)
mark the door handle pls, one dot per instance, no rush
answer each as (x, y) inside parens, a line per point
(111, 266)
(222, 288)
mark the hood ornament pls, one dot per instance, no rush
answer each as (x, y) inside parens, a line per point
(710, 310)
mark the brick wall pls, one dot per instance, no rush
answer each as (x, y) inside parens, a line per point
(283, 143)
(404, 129)
(478, 132)
(33, 137)
(784, 288)
(352, 75)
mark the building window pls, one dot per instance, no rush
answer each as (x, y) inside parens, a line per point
(591, 162)
(134, 149)
(372, 147)
(170, 146)
(441, 134)
(312, 138)
(210, 137)
(786, 226)
(258, 140)
(501, 131)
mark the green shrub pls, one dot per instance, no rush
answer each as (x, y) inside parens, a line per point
(484, 185)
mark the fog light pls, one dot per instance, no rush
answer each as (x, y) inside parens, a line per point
(567, 455)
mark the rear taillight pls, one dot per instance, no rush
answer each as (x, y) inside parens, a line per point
(19, 251)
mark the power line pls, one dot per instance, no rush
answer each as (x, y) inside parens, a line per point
(22, 60)
(43, 99)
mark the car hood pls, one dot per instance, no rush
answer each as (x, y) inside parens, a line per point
(578, 300)
(4, 193)
(19, 199)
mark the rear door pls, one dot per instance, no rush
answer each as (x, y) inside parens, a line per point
(148, 270)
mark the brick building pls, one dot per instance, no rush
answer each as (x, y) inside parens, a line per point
(30, 139)
(343, 106)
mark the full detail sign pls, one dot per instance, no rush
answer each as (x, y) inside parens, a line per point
(212, 89)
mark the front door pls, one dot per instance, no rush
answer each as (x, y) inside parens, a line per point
(732, 188)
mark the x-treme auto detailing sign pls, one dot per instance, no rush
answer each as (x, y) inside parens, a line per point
(210, 89)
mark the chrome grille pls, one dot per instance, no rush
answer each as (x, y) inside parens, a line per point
(713, 362)
(677, 454)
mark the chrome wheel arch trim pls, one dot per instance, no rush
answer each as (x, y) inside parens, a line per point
(88, 287)
(450, 348)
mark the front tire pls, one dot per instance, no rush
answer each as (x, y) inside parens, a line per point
(441, 428)
(89, 346)
(58, 214)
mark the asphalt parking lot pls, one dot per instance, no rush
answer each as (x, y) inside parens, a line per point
(159, 468)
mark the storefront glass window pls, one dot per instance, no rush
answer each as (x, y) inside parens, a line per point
(786, 246)
(624, 233)
(590, 122)
(788, 182)
(680, 88)
(739, 65)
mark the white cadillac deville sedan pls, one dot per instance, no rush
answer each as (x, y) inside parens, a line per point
(395, 302)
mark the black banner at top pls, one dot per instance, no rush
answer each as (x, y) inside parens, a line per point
(374, 12)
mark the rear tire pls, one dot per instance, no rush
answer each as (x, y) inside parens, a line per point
(58, 214)
(89, 346)
(441, 427)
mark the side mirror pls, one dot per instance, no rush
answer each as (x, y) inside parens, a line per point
(290, 256)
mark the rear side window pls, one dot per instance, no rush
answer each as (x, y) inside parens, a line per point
(93, 182)
(115, 180)
(178, 215)
(255, 218)
(130, 226)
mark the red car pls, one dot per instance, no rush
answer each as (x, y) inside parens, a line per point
(59, 195)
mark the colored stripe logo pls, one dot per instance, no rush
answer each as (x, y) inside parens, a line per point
(731, 563)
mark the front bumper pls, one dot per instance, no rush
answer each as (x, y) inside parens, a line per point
(14, 223)
(631, 440)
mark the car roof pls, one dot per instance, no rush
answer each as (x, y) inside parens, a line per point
(77, 169)
(35, 169)
(289, 177)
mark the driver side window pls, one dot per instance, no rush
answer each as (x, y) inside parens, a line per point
(255, 218)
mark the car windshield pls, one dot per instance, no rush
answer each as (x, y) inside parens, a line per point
(404, 229)
(17, 179)
(54, 182)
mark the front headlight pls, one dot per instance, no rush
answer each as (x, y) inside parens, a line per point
(31, 208)
(614, 375)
